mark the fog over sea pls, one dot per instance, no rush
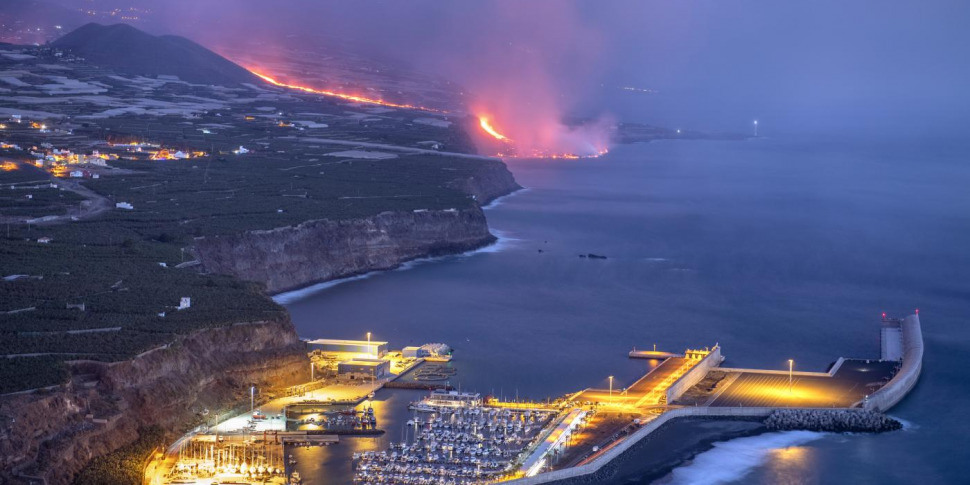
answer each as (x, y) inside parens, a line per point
(774, 248)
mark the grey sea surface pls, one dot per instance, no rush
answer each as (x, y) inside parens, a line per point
(773, 248)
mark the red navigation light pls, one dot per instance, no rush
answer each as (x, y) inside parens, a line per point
(883, 314)
(917, 311)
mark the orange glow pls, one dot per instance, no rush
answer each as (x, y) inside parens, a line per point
(334, 94)
(8, 166)
(162, 154)
(487, 126)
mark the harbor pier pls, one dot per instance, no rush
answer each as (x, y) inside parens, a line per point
(850, 396)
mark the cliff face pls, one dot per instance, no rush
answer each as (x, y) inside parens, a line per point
(54, 434)
(491, 181)
(291, 257)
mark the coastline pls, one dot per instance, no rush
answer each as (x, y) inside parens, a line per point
(499, 241)
(502, 198)
(676, 444)
(290, 296)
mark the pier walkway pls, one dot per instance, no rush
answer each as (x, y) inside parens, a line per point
(648, 390)
(850, 386)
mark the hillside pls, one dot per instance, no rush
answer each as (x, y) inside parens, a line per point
(126, 49)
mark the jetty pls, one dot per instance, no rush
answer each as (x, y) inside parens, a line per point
(850, 397)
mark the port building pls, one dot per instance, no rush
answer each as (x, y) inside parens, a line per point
(362, 368)
(361, 347)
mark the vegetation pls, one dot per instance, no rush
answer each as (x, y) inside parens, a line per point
(26, 373)
(107, 287)
(126, 465)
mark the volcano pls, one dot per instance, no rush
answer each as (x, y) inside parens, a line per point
(125, 49)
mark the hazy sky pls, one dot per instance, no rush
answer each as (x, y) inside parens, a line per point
(821, 65)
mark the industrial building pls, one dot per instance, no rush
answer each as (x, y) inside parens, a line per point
(362, 368)
(427, 350)
(361, 347)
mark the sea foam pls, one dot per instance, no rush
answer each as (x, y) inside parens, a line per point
(501, 200)
(295, 295)
(731, 460)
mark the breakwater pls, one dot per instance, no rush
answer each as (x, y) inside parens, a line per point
(604, 468)
(907, 376)
(831, 420)
(865, 416)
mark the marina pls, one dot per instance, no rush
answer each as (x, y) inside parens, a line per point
(453, 438)
(463, 438)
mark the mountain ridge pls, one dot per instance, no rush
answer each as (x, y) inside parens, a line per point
(129, 50)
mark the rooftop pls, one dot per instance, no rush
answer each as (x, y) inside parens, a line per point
(334, 341)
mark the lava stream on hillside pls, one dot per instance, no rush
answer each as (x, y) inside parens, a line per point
(334, 94)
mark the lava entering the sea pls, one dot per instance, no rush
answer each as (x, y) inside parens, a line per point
(562, 136)
(487, 126)
(348, 97)
(511, 149)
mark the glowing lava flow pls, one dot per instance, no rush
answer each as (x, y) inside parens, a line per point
(487, 127)
(348, 97)
(483, 121)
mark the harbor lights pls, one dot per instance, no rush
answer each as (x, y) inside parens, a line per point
(791, 367)
(611, 389)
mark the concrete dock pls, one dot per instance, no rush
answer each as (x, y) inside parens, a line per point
(850, 387)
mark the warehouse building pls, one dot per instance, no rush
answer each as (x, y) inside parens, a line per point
(362, 347)
(363, 369)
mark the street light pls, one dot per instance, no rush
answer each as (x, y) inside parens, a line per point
(368, 342)
(252, 398)
(311, 371)
(611, 389)
(791, 366)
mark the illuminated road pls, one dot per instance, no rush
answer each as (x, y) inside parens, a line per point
(853, 381)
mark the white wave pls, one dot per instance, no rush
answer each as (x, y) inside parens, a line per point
(501, 243)
(501, 200)
(292, 296)
(730, 461)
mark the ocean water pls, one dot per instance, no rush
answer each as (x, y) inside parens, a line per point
(773, 248)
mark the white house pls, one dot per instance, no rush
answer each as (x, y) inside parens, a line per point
(186, 302)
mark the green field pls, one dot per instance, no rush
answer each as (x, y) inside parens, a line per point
(112, 263)
(120, 264)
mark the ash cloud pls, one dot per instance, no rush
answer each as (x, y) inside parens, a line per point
(827, 66)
